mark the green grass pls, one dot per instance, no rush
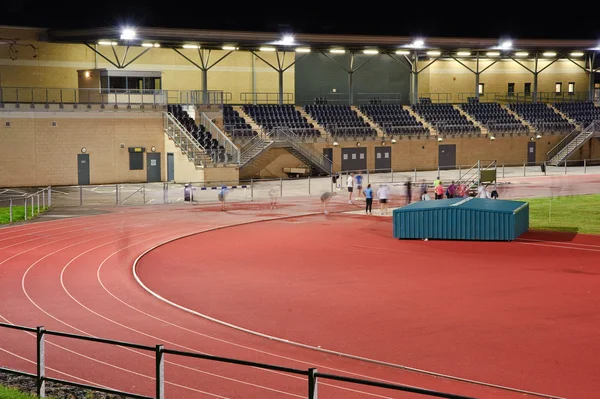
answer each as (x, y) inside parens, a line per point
(10, 393)
(577, 213)
(18, 213)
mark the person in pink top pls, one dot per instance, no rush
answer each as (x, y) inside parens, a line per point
(460, 191)
(439, 191)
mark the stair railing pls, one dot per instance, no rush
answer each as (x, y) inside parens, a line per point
(564, 142)
(285, 134)
(222, 138)
(259, 141)
(182, 138)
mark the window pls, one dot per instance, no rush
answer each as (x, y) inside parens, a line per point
(118, 81)
(571, 88)
(558, 88)
(136, 161)
(481, 89)
(511, 89)
(527, 88)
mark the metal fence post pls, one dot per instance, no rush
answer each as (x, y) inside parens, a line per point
(392, 170)
(49, 196)
(43, 198)
(415, 174)
(160, 372)
(38, 202)
(116, 194)
(281, 186)
(80, 195)
(459, 172)
(312, 383)
(41, 367)
(584, 166)
(368, 177)
(545, 168)
(10, 213)
(524, 169)
(144, 193)
(25, 208)
(32, 207)
(502, 170)
(565, 166)
(309, 184)
(251, 189)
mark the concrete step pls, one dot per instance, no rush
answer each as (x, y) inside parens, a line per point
(380, 132)
(483, 129)
(248, 119)
(309, 118)
(518, 117)
(432, 130)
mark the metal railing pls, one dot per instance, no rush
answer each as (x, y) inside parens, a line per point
(284, 134)
(567, 139)
(184, 139)
(232, 152)
(40, 199)
(540, 96)
(382, 98)
(436, 97)
(255, 146)
(265, 98)
(159, 351)
(484, 97)
(499, 128)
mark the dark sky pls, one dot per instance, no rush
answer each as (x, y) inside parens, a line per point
(483, 19)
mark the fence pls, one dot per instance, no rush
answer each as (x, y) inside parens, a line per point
(41, 198)
(311, 374)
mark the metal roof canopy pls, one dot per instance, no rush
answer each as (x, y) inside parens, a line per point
(253, 40)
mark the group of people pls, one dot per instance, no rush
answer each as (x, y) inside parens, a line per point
(454, 190)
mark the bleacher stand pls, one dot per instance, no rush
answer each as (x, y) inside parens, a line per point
(235, 125)
(445, 118)
(393, 119)
(542, 117)
(582, 112)
(494, 117)
(340, 120)
(272, 116)
(204, 138)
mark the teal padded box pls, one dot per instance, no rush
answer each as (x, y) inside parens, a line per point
(462, 219)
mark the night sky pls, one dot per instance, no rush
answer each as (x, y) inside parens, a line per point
(483, 19)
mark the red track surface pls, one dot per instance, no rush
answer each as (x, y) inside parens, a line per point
(522, 314)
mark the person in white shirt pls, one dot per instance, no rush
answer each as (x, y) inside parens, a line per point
(482, 192)
(425, 196)
(383, 193)
(350, 187)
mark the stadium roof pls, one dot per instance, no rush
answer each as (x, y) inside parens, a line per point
(216, 39)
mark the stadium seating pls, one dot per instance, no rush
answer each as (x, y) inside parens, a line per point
(583, 112)
(272, 116)
(393, 119)
(542, 117)
(340, 120)
(204, 138)
(445, 118)
(495, 118)
(235, 125)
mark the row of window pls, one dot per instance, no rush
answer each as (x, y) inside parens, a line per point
(122, 83)
(558, 88)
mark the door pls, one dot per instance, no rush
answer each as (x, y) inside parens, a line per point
(153, 167)
(447, 156)
(527, 89)
(383, 159)
(170, 166)
(511, 89)
(531, 153)
(354, 159)
(328, 155)
(83, 169)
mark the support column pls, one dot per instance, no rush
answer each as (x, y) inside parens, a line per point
(591, 78)
(477, 77)
(204, 86)
(535, 78)
(350, 79)
(280, 72)
(414, 74)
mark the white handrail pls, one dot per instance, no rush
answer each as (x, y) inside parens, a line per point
(221, 137)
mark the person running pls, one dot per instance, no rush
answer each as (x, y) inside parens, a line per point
(273, 197)
(325, 197)
(383, 194)
(359, 186)
(369, 200)
(350, 187)
(223, 193)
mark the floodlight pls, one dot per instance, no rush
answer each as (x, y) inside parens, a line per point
(522, 54)
(127, 34)
(549, 54)
(505, 45)
(337, 51)
(371, 51)
(303, 50)
(576, 54)
(269, 49)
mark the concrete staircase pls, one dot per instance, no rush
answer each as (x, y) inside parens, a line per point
(518, 117)
(571, 143)
(183, 140)
(373, 125)
(483, 129)
(310, 119)
(432, 130)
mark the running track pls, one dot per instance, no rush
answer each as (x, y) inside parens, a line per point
(76, 276)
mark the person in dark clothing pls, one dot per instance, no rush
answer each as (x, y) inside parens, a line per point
(408, 191)
(369, 199)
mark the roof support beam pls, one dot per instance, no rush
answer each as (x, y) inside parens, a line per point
(350, 71)
(103, 56)
(280, 69)
(119, 64)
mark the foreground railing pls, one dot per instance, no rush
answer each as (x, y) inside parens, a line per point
(183, 139)
(568, 138)
(159, 351)
(232, 151)
(41, 198)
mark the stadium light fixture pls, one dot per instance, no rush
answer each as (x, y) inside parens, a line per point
(393, 141)
(434, 53)
(417, 43)
(267, 49)
(463, 53)
(440, 139)
(492, 54)
(383, 143)
(337, 51)
(230, 48)
(492, 138)
(402, 52)
(370, 51)
(128, 34)
(576, 54)
(303, 50)
(287, 40)
(539, 136)
(150, 45)
(358, 143)
(506, 44)
(549, 54)
(335, 143)
(107, 43)
(191, 46)
(522, 54)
